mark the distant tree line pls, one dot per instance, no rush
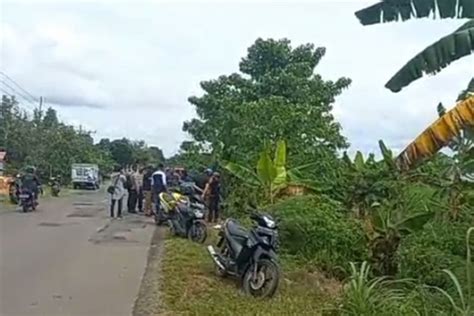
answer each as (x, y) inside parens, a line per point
(41, 140)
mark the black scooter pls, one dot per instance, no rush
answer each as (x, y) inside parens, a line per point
(249, 255)
(27, 200)
(187, 220)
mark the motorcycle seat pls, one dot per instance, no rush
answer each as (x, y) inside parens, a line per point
(234, 229)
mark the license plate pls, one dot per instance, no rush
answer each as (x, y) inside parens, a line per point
(24, 196)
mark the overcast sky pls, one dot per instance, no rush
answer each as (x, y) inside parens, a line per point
(127, 68)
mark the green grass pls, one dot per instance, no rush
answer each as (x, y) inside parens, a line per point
(190, 287)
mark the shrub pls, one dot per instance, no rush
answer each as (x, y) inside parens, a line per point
(425, 254)
(316, 229)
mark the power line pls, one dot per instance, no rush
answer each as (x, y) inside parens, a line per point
(16, 92)
(19, 98)
(7, 81)
(20, 87)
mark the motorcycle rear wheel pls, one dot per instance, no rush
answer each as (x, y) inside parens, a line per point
(198, 232)
(265, 282)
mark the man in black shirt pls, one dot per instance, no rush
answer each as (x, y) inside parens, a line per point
(147, 192)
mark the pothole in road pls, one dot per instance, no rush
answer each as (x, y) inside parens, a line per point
(81, 214)
(50, 224)
(83, 203)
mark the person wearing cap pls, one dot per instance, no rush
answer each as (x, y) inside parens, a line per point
(211, 195)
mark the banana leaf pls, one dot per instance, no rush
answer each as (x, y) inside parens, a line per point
(359, 161)
(243, 173)
(413, 223)
(396, 10)
(468, 92)
(438, 134)
(435, 57)
(266, 171)
(280, 163)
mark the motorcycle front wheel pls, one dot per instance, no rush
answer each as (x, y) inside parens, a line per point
(262, 278)
(198, 232)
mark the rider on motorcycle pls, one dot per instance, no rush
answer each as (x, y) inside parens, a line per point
(30, 182)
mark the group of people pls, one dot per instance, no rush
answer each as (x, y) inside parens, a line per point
(144, 186)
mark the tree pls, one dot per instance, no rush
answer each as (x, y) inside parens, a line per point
(50, 118)
(437, 56)
(276, 95)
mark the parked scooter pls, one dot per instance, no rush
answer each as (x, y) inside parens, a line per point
(168, 202)
(28, 200)
(187, 220)
(249, 255)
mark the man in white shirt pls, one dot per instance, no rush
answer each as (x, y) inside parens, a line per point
(158, 185)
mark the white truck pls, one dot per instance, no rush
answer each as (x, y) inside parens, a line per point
(85, 176)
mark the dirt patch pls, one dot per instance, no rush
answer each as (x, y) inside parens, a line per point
(148, 300)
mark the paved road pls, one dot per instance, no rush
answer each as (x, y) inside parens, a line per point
(69, 258)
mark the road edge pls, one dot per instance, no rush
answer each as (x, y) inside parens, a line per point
(148, 300)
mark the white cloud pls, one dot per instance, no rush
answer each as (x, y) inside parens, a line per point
(127, 68)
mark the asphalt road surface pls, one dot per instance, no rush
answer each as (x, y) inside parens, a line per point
(69, 258)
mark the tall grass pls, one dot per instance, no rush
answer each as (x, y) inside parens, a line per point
(463, 303)
(366, 296)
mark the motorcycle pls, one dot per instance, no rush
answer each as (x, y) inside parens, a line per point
(168, 201)
(187, 220)
(27, 200)
(55, 187)
(249, 255)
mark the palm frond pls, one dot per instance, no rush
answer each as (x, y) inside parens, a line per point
(396, 10)
(438, 134)
(435, 57)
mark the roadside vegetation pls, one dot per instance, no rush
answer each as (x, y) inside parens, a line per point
(387, 232)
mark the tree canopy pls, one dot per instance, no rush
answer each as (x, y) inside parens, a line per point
(276, 95)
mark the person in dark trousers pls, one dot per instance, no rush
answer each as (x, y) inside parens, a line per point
(158, 185)
(211, 194)
(118, 182)
(132, 191)
(147, 192)
(139, 183)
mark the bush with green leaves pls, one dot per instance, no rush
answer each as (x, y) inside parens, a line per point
(317, 229)
(424, 254)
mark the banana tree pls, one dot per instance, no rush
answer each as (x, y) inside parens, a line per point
(368, 181)
(390, 223)
(440, 54)
(270, 175)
